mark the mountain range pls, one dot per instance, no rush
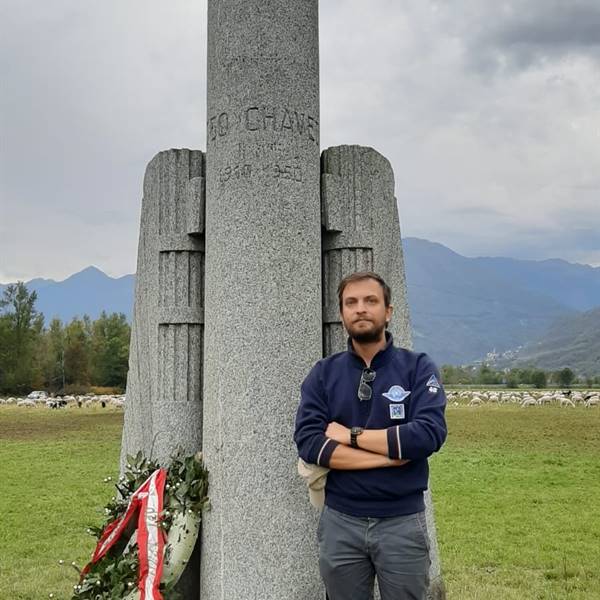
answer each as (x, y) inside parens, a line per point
(88, 292)
(463, 310)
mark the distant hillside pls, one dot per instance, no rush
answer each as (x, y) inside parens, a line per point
(88, 292)
(572, 285)
(462, 308)
(570, 342)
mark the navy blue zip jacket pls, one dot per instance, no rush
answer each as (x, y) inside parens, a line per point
(407, 400)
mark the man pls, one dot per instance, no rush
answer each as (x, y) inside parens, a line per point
(372, 414)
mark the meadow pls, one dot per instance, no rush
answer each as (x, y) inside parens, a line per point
(517, 498)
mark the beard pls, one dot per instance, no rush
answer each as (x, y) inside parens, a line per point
(367, 337)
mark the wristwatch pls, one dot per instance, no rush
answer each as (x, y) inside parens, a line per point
(354, 433)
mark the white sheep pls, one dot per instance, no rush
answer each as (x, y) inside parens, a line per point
(529, 401)
(26, 402)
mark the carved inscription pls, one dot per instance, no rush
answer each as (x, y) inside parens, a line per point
(256, 157)
(235, 172)
(265, 118)
(292, 172)
(270, 170)
(257, 150)
(218, 126)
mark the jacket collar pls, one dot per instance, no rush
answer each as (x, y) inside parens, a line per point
(380, 358)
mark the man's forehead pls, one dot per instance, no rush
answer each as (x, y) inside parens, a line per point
(364, 287)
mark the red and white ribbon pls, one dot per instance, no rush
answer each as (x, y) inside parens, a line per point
(151, 539)
(147, 502)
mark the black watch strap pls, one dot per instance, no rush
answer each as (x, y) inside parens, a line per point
(354, 433)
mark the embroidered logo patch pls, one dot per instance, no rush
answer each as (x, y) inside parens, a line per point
(396, 411)
(396, 393)
(433, 383)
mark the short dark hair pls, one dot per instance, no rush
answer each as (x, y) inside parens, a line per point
(361, 276)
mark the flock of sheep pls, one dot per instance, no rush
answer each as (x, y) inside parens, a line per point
(587, 398)
(41, 399)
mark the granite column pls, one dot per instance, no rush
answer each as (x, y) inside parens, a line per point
(263, 295)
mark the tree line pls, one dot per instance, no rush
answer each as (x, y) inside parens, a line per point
(62, 357)
(73, 357)
(513, 378)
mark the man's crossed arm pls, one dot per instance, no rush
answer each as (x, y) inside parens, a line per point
(372, 454)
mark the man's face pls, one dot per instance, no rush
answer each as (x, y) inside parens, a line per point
(364, 313)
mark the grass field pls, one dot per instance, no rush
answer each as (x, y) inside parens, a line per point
(517, 494)
(53, 463)
(517, 497)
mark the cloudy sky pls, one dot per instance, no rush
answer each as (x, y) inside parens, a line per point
(488, 112)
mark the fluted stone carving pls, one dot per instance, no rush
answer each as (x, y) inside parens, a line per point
(164, 386)
(361, 232)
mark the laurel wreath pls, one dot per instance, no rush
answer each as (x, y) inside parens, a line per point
(114, 577)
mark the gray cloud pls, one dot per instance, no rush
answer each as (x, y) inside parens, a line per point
(519, 34)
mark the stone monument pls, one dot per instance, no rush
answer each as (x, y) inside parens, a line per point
(239, 255)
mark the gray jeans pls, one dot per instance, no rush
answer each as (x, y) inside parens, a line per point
(352, 550)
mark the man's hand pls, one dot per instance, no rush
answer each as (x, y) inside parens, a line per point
(338, 432)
